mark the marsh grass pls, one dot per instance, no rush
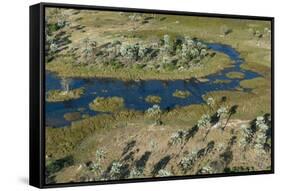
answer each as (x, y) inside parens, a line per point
(107, 104)
(181, 94)
(153, 99)
(61, 95)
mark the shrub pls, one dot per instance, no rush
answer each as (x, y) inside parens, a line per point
(204, 121)
(164, 173)
(178, 137)
(246, 133)
(222, 112)
(187, 162)
(154, 110)
(115, 170)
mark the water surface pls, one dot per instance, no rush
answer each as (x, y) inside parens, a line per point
(134, 92)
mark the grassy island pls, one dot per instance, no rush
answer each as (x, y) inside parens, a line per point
(153, 99)
(72, 116)
(108, 104)
(61, 95)
(181, 94)
(235, 75)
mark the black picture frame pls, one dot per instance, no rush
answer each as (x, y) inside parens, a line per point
(37, 93)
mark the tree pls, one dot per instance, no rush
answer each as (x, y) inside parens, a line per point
(88, 52)
(65, 84)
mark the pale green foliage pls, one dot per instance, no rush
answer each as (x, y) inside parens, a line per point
(154, 110)
(204, 121)
(211, 102)
(136, 173)
(115, 169)
(207, 170)
(222, 111)
(53, 47)
(100, 155)
(188, 160)
(178, 137)
(245, 135)
(164, 173)
(96, 168)
(261, 134)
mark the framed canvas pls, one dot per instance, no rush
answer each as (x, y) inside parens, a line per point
(130, 95)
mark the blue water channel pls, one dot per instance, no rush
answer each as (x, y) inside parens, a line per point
(134, 92)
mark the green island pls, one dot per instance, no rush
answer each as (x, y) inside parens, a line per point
(228, 131)
(107, 104)
(62, 95)
(181, 94)
(153, 99)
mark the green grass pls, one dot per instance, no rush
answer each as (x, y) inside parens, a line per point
(107, 104)
(61, 95)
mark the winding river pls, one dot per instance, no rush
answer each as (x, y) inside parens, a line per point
(134, 93)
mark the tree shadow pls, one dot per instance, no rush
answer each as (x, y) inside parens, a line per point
(231, 112)
(56, 166)
(130, 145)
(141, 163)
(161, 164)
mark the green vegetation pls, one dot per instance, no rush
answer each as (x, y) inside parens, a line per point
(153, 99)
(61, 95)
(107, 104)
(181, 94)
(220, 135)
(235, 75)
(216, 152)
